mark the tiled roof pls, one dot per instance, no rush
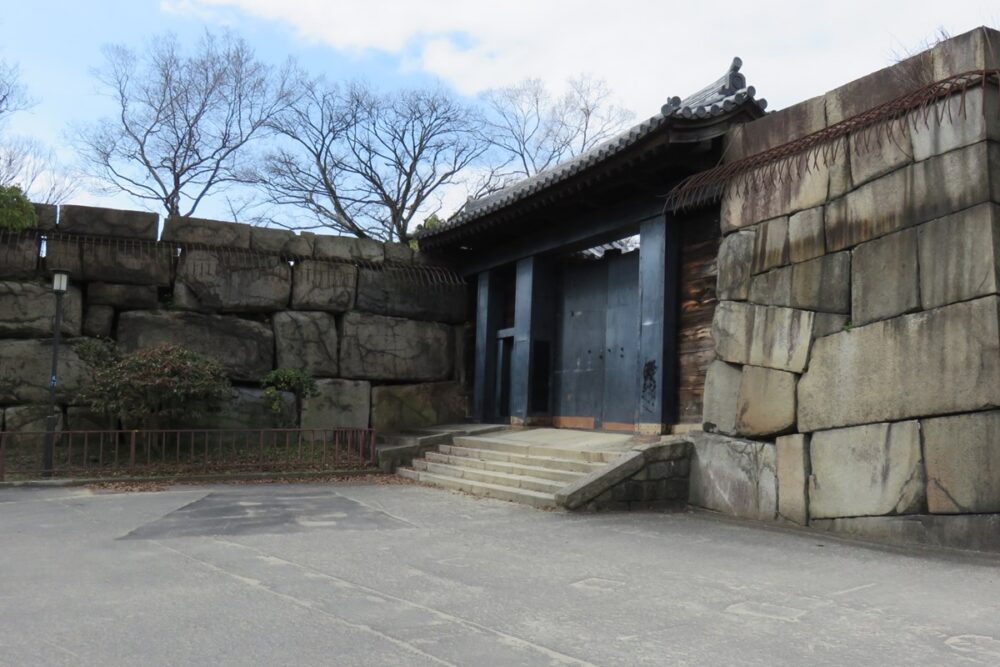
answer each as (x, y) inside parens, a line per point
(722, 96)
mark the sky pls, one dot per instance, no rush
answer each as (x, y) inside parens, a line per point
(646, 50)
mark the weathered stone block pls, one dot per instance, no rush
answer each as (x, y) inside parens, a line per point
(962, 459)
(63, 255)
(25, 368)
(866, 470)
(822, 284)
(398, 253)
(771, 245)
(825, 324)
(28, 309)
(804, 191)
(347, 248)
(766, 403)
(722, 391)
(244, 348)
(949, 126)
(973, 50)
(85, 419)
(763, 336)
(28, 418)
(977, 532)
(234, 283)
(338, 404)
(18, 255)
(307, 341)
(45, 217)
(119, 261)
(400, 407)
(123, 297)
(735, 261)
(208, 232)
(373, 347)
(99, 321)
(806, 238)
(875, 156)
(937, 362)
(920, 192)
(94, 221)
(878, 87)
(732, 476)
(884, 278)
(959, 256)
(778, 128)
(793, 466)
(323, 286)
(246, 409)
(397, 292)
(270, 239)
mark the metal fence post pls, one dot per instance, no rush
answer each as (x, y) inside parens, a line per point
(131, 451)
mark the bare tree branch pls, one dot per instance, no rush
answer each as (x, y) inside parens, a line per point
(34, 168)
(184, 121)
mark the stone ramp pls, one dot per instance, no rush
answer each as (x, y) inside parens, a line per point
(525, 466)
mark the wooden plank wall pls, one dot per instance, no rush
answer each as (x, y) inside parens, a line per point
(699, 250)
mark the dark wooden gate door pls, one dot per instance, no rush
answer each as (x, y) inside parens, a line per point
(595, 373)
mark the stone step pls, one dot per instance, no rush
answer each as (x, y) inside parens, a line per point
(555, 474)
(490, 476)
(501, 445)
(574, 465)
(500, 492)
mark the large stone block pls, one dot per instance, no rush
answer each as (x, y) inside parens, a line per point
(766, 336)
(400, 292)
(233, 283)
(793, 466)
(123, 297)
(346, 248)
(771, 245)
(337, 404)
(734, 266)
(25, 368)
(373, 347)
(743, 207)
(45, 217)
(94, 221)
(207, 232)
(18, 255)
(878, 87)
(976, 532)
(959, 256)
(766, 403)
(722, 391)
(282, 241)
(937, 362)
(62, 255)
(400, 407)
(920, 192)
(28, 309)
(29, 418)
(307, 341)
(99, 321)
(976, 49)
(245, 409)
(806, 237)
(822, 284)
(868, 470)
(963, 463)
(884, 278)
(119, 261)
(954, 123)
(324, 286)
(244, 348)
(778, 128)
(732, 476)
(872, 156)
(85, 419)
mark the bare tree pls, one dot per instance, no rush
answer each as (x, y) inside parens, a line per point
(366, 163)
(183, 122)
(13, 95)
(33, 167)
(530, 130)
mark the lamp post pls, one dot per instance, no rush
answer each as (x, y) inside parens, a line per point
(60, 282)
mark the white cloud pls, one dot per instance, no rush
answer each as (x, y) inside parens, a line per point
(647, 50)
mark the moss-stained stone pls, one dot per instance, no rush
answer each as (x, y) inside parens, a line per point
(400, 407)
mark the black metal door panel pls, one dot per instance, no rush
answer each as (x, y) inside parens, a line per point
(578, 375)
(621, 348)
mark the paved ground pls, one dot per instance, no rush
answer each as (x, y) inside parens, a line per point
(405, 575)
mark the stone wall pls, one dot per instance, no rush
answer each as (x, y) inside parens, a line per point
(374, 323)
(858, 332)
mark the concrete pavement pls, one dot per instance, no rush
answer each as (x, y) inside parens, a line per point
(406, 575)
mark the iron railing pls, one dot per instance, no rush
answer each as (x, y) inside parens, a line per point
(92, 454)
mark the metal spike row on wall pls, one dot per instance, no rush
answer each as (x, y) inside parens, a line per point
(885, 123)
(220, 257)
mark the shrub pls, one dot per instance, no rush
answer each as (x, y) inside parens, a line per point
(153, 387)
(293, 380)
(16, 212)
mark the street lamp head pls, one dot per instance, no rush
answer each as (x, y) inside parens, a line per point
(60, 281)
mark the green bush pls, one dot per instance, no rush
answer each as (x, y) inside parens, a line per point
(153, 387)
(16, 212)
(293, 380)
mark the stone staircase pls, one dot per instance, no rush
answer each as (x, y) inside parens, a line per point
(508, 466)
